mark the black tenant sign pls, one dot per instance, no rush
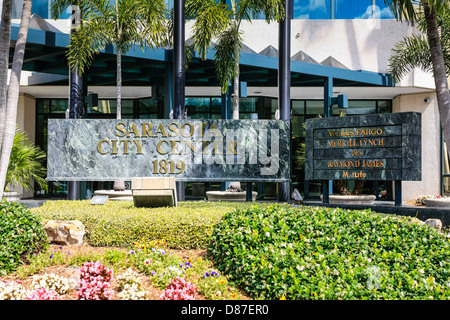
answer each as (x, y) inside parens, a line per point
(365, 147)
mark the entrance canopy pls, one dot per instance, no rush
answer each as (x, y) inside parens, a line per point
(45, 53)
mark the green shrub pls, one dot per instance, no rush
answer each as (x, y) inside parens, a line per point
(21, 234)
(331, 253)
(120, 223)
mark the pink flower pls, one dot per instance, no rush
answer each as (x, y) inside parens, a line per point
(95, 282)
(179, 289)
(43, 294)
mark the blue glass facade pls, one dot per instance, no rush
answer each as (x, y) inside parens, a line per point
(40, 7)
(302, 9)
(312, 9)
(361, 9)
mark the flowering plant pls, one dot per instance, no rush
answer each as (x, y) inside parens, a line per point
(214, 286)
(132, 291)
(179, 289)
(12, 290)
(95, 282)
(130, 286)
(162, 279)
(128, 277)
(43, 294)
(52, 282)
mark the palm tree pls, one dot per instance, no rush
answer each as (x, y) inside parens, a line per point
(432, 11)
(26, 163)
(414, 50)
(13, 93)
(5, 35)
(213, 19)
(122, 25)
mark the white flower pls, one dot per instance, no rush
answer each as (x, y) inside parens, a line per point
(129, 277)
(12, 290)
(132, 292)
(52, 281)
(300, 268)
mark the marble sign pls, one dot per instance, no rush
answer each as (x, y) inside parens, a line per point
(188, 150)
(366, 147)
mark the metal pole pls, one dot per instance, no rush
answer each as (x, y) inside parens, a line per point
(398, 192)
(76, 106)
(179, 73)
(284, 82)
(327, 185)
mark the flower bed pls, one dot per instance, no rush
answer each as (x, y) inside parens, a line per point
(114, 274)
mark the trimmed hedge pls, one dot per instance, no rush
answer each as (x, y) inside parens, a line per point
(331, 253)
(120, 223)
(21, 234)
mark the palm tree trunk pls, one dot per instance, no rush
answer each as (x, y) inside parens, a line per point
(5, 35)
(236, 85)
(119, 83)
(13, 93)
(119, 185)
(440, 77)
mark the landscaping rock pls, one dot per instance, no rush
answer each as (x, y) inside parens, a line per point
(69, 232)
(435, 223)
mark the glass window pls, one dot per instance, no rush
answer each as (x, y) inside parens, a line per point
(105, 106)
(169, 4)
(298, 107)
(446, 186)
(314, 107)
(59, 105)
(198, 108)
(247, 108)
(312, 9)
(361, 107)
(382, 11)
(17, 9)
(353, 9)
(270, 106)
(147, 108)
(385, 106)
(298, 131)
(216, 108)
(110, 107)
(40, 7)
(445, 170)
(43, 106)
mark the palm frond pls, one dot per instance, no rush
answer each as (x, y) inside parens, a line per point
(26, 163)
(225, 55)
(87, 41)
(409, 53)
(211, 18)
(404, 9)
(273, 10)
(414, 51)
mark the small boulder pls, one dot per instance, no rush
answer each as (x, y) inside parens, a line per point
(69, 232)
(435, 223)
